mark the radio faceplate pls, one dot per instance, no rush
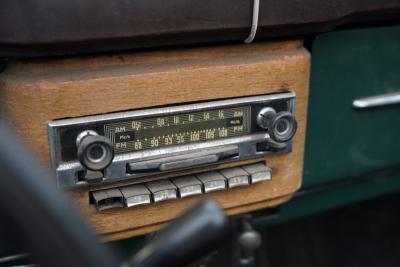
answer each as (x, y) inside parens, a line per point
(125, 145)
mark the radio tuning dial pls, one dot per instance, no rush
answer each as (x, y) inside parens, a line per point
(281, 126)
(95, 152)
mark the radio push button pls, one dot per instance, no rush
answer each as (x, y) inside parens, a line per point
(162, 190)
(212, 181)
(108, 199)
(136, 195)
(236, 176)
(258, 172)
(188, 185)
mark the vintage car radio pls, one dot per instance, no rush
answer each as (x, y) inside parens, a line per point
(126, 145)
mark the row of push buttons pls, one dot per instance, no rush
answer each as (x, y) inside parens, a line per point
(180, 187)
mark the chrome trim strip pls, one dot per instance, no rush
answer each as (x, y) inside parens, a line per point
(172, 109)
(377, 101)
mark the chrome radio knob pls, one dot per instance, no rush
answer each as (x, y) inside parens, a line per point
(95, 152)
(265, 117)
(281, 126)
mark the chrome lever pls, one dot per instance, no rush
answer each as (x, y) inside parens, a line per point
(377, 101)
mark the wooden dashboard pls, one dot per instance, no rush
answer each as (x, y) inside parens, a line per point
(35, 92)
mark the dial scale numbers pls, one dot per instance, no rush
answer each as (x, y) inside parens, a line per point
(178, 129)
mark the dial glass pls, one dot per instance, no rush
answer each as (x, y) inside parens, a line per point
(178, 129)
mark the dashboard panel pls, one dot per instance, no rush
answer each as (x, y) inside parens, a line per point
(224, 122)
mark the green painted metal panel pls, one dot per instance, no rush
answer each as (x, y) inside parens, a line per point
(342, 142)
(351, 155)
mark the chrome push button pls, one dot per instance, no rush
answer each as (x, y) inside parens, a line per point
(236, 177)
(258, 172)
(136, 195)
(107, 199)
(188, 185)
(162, 190)
(212, 181)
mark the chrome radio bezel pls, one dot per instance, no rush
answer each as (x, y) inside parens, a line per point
(66, 172)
